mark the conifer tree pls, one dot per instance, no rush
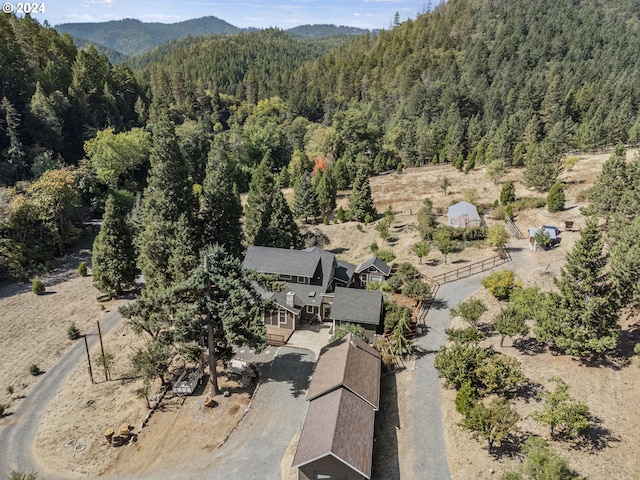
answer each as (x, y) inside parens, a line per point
(259, 207)
(556, 198)
(165, 254)
(220, 296)
(625, 263)
(360, 201)
(326, 190)
(283, 231)
(305, 199)
(586, 313)
(220, 209)
(113, 257)
(613, 180)
(542, 166)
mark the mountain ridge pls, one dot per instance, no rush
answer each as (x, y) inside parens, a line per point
(132, 37)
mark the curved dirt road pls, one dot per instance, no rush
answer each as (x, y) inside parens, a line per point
(16, 438)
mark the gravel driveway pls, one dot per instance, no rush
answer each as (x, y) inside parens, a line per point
(255, 449)
(422, 414)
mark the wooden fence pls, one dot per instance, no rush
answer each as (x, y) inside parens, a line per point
(473, 268)
(425, 305)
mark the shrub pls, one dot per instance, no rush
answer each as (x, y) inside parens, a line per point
(34, 370)
(345, 328)
(497, 236)
(459, 363)
(500, 373)
(470, 310)
(3, 407)
(508, 193)
(556, 198)
(374, 247)
(529, 202)
(563, 414)
(341, 216)
(82, 269)
(500, 284)
(73, 333)
(10, 389)
(464, 335)
(386, 256)
(541, 462)
(368, 218)
(395, 284)
(466, 399)
(543, 239)
(359, 227)
(37, 286)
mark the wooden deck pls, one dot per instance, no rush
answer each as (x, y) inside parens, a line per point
(278, 336)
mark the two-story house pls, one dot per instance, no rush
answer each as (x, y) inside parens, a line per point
(310, 277)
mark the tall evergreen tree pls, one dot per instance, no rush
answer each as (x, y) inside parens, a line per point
(625, 263)
(610, 185)
(165, 255)
(220, 296)
(586, 312)
(14, 168)
(326, 190)
(220, 208)
(542, 166)
(113, 257)
(360, 201)
(305, 199)
(259, 207)
(283, 231)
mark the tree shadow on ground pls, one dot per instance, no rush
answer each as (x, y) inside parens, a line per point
(439, 304)
(528, 391)
(621, 356)
(529, 346)
(420, 352)
(386, 464)
(509, 447)
(293, 368)
(596, 437)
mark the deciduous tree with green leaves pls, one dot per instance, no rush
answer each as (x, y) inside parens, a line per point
(510, 323)
(492, 423)
(563, 414)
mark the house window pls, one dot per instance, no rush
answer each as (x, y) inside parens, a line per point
(329, 476)
(311, 309)
(285, 277)
(303, 280)
(375, 278)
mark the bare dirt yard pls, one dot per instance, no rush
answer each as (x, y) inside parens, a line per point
(33, 330)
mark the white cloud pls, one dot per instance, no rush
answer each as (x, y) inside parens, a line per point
(102, 3)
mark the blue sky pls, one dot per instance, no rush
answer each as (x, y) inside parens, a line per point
(284, 14)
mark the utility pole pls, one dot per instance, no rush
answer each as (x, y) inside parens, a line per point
(104, 360)
(86, 345)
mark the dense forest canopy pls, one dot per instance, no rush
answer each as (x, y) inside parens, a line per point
(506, 83)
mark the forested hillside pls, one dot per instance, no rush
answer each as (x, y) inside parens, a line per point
(133, 37)
(508, 84)
(260, 62)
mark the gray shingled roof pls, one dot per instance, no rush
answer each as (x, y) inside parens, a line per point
(381, 266)
(344, 271)
(357, 306)
(281, 261)
(350, 363)
(338, 424)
